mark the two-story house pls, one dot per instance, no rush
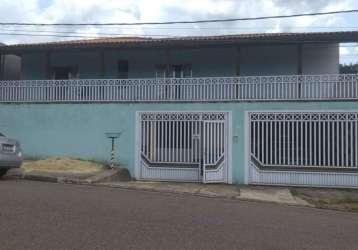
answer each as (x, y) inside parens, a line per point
(249, 108)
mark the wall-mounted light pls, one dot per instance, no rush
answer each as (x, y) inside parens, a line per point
(235, 137)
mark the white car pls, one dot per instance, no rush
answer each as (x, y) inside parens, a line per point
(10, 154)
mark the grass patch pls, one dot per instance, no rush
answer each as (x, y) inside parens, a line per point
(62, 165)
(337, 199)
(295, 192)
(345, 199)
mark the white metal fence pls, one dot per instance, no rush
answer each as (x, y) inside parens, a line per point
(307, 140)
(290, 87)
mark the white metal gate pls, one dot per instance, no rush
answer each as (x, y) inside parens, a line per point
(214, 147)
(183, 146)
(304, 148)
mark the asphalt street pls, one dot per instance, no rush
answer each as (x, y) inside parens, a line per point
(36, 215)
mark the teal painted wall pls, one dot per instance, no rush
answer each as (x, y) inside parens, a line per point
(77, 130)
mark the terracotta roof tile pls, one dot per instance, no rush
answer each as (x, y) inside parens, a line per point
(344, 36)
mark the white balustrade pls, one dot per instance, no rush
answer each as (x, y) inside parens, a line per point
(250, 88)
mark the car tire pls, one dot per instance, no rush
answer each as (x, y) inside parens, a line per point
(3, 171)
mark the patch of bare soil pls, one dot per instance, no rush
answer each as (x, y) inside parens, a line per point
(338, 199)
(62, 165)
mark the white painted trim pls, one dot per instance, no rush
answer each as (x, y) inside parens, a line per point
(247, 148)
(182, 111)
(303, 185)
(229, 167)
(303, 172)
(337, 183)
(302, 110)
(137, 143)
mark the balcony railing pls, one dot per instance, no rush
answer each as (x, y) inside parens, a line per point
(252, 88)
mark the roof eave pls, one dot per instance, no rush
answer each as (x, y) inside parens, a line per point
(328, 37)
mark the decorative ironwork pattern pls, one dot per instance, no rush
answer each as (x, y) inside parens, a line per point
(182, 116)
(255, 88)
(309, 116)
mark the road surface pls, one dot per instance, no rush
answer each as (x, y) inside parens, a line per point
(36, 215)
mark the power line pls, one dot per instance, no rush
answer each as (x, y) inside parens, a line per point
(348, 46)
(213, 28)
(232, 28)
(251, 28)
(45, 35)
(89, 34)
(182, 22)
(73, 36)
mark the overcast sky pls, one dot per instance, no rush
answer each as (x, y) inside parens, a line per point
(72, 11)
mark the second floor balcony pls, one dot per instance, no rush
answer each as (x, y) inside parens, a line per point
(204, 89)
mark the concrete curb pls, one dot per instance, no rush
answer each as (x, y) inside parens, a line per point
(108, 175)
(199, 192)
(37, 178)
(111, 178)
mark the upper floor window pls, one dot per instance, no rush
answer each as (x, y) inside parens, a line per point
(67, 72)
(123, 69)
(181, 71)
(174, 70)
(161, 71)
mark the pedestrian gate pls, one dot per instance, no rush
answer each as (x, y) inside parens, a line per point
(183, 146)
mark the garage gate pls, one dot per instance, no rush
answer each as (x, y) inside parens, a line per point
(183, 146)
(303, 148)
